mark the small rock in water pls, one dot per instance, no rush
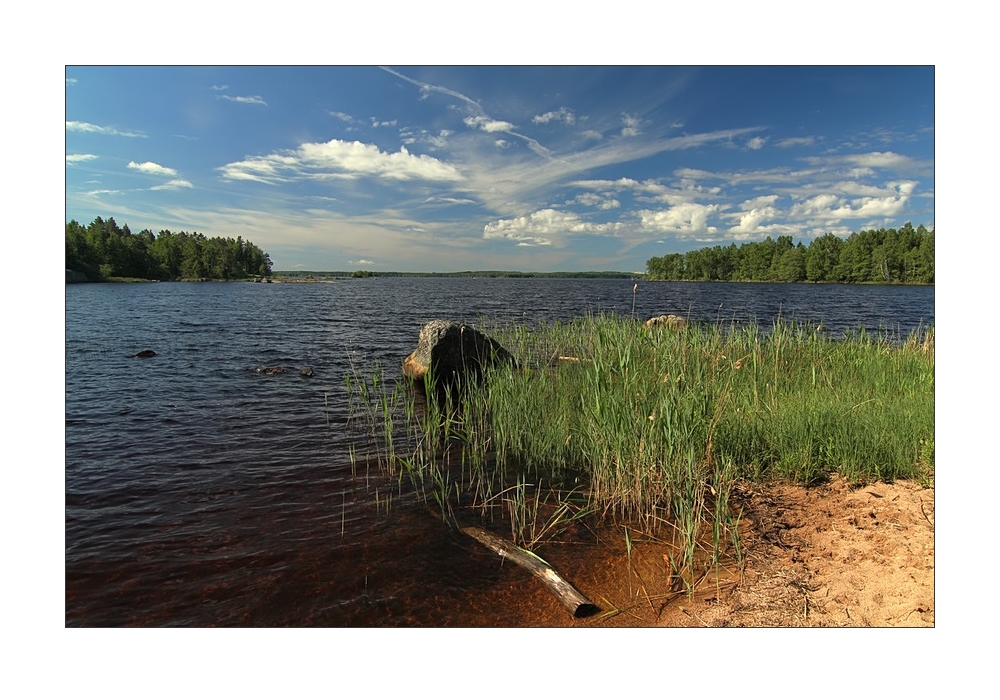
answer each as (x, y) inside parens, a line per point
(145, 353)
(306, 372)
(270, 370)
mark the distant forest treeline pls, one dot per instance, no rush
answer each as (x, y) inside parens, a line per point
(467, 273)
(905, 255)
(104, 250)
(514, 274)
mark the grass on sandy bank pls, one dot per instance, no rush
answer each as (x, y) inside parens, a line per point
(655, 427)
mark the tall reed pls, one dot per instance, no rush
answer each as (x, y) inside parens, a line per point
(653, 427)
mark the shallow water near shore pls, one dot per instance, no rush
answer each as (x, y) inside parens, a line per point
(200, 492)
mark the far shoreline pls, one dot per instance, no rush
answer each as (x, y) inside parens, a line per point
(283, 277)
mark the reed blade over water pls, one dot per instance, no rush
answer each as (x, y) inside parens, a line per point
(652, 428)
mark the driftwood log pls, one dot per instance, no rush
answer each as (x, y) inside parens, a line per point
(572, 599)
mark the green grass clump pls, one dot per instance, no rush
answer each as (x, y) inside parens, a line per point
(653, 427)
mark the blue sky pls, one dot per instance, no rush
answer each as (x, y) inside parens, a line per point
(517, 168)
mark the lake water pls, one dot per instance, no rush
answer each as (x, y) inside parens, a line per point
(199, 492)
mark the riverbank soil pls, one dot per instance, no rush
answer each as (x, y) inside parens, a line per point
(825, 556)
(833, 556)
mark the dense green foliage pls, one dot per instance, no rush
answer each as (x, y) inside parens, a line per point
(904, 255)
(104, 250)
(657, 426)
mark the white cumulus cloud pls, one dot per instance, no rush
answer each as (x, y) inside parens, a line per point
(750, 221)
(152, 168)
(602, 202)
(630, 125)
(686, 218)
(545, 226)
(758, 202)
(832, 207)
(562, 115)
(487, 124)
(340, 159)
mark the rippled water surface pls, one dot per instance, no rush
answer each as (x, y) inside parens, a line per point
(199, 492)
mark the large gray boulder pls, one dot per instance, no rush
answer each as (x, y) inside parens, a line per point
(452, 353)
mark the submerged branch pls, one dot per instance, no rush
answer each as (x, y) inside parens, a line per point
(572, 599)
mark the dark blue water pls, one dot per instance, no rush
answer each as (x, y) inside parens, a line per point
(199, 492)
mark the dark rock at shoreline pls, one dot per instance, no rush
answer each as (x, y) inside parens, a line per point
(76, 277)
(452, 351)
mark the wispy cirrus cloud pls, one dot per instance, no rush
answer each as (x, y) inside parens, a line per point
(88, 128)
(875, 159)
(176, 184)
(245, 99)
(411, 136)
(796, 141)
(426, 89)
(73, 158)
(503, 184)
(477, 117)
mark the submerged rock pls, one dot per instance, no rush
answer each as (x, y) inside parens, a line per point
(452, 351)
(269, 370)
(145, 353)
(306, 372)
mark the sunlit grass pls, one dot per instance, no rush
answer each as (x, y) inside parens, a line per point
(653, 427)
